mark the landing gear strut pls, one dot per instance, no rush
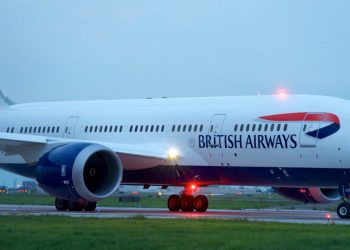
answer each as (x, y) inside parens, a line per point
(186, 202)
(64, 205)
(343, 209)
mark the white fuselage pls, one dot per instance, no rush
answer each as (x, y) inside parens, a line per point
(213, 132)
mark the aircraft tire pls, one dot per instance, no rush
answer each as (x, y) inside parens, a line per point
(200, 203)
(174, 203)
(343, 210)
(90, 206)
(187, 204)
(75, 206)
(61, 204)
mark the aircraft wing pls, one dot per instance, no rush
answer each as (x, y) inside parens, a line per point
(9, 140)
(135, 156)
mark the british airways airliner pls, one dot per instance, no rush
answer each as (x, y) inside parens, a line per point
(80, 152)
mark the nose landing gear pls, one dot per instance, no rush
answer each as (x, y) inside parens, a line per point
(343, 209)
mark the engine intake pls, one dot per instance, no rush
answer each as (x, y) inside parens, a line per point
(80, 171)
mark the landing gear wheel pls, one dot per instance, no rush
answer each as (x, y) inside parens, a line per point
(343, 210)
(187, 204)
(174, 203)
(90, 206)
(61, 205)
(200, 203)
(75, 206)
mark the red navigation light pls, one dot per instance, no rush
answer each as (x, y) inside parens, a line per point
(282, 93)
(328, 216)
(193, 186)
(302, 190)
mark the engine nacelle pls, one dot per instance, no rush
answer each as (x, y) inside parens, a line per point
(80, 171)
(310, 195)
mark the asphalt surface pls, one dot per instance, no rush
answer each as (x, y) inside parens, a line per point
(272, 215)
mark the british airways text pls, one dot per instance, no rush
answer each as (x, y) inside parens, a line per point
(248, 141)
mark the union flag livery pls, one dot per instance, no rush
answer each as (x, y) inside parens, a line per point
(329, 123)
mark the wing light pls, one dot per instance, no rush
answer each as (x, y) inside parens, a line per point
(173, 154)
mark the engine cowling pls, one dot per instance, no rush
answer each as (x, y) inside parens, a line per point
(80, 171)
(310, 195)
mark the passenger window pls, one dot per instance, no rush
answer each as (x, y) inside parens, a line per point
(91, 128)
(53, 129)
(178, 128)
(110, 129)
(285, 127)
(120, 129)
(260, 127)
(253, 128)
(247, 127)
(101, 129)
(184, 128)
(242, 127)
(201, 128)
(13, 130)
(34, 130)
(30, 130)
(141, 128)
(157, 128)
(278, 127)
(131, 127)
(39, 130)
(106, 129)
(44, 130)
(146, 128)
(48, 129)
(136, 128)
(272, 127)
(173, 129)
(152, 127)
(96, 128)
(195, 128)
(266, 127)
(7, 130)
(189, 128)
(236, 127)
(86, 129)
(163, 127)
(57, 129)
(21, 130)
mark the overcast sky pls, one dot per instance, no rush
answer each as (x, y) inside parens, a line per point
(66, 50)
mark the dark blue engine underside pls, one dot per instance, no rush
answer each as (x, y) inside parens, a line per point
(209, 175)
(252, 176)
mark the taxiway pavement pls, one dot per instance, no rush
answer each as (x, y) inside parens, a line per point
(272, 215)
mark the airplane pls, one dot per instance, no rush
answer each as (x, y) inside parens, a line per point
(81, 151)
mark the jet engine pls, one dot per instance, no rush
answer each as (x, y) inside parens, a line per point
(80, 171)
(310, 195)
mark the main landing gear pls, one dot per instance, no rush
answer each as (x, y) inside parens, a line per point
(64, 205)
(186, 202)
(343, 209)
